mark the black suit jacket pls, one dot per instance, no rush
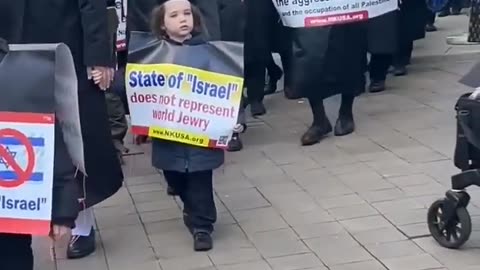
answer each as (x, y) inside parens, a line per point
(81, 24)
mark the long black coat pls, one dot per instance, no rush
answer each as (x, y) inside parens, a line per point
(382, 35)
(324, 61)
(82, 25)
(412, 19)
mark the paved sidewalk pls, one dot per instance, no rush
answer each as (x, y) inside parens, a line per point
(352, 203)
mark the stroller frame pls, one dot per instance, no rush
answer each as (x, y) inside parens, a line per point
(448, 219)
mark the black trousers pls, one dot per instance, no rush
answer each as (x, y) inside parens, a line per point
(196, 191)
(403, 55)
(275, 71)
(16, 252)
(378, 67)
(431, 17)
(454, 4)
(255, 81)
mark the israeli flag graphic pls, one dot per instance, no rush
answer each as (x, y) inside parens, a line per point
(18, 152)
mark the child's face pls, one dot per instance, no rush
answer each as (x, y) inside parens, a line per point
(178, 19)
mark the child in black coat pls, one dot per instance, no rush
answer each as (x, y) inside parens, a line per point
(188, 169)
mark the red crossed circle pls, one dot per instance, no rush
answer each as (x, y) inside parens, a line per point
(22, 174)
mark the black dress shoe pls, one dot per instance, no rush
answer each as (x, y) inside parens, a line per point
(444, 13)
(400, 71)
(271, 86)
(257, 108)
(430, 28)
(171, 191)
(202, 241)
(344, 126)
(81, 246)
(315, 134)
(235, 144)
(456, 11)
(376, 86)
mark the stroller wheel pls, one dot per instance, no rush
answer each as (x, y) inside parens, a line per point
(451, 233)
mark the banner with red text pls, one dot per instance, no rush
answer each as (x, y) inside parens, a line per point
(187, 94)
(315, 13)
(121, 7)
(37, 112)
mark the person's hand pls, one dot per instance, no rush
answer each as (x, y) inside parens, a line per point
(58, 232)
(103, 77)
(141, 139)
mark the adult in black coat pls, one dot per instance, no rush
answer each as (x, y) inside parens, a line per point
(382, 40)
(82, 25)
(324, 63)
(260, 17)
(412, 19)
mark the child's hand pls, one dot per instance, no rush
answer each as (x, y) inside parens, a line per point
(141, 139)
(59, 231)
(103, 77)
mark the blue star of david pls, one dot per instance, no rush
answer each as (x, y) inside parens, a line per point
(11, 153)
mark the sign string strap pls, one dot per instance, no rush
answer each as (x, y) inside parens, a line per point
(53, 254)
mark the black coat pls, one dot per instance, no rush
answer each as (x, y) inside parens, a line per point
(382, 33)
(59, 21)
(139, 13)
(412, 20)
(329, 60)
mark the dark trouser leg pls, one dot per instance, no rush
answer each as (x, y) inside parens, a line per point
(286, 57)
(430, 17)
(430, 23)
(118, 122)
(378, 69)
(199, 213)
(274, 74)
(345, 124)
(456, 6)
(273, 70)
(176, 182)
(321, 125)
(446, 9)
(378, 66)
(16, 252)
(255, 83)
(402, 57)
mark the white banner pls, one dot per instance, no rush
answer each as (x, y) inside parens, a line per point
(26, 172)
(121, 6)
(316, 13)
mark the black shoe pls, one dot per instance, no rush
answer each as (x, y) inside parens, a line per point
(344, 126)
(315, 134)
(430, 28)
(400, 71)
(202, 241)
(171, 191)
(376, 86)
(456, 11)
(235, 144)
(257, 108)
(271, 86)
(444, 13)
(81, 246)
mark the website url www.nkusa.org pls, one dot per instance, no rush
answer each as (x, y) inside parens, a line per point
(177, 136)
